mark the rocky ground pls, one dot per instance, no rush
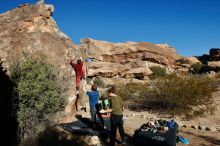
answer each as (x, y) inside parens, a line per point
(201, 131)
(198, 135)
(205, 135)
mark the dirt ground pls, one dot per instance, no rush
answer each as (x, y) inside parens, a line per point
(196, 137)
(133, 120)
(200, 138)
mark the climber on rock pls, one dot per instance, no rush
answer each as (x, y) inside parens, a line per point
(80, 74)
(78, 68)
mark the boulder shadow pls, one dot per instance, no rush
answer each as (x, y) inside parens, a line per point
(9, 126)
(84, 126)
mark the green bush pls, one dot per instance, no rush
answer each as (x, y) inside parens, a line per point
(157, 72)
(130, 90)
(182, 61)
(197, 68)
(175, 95)
(98, 81)
(39, 94)
(88, 80)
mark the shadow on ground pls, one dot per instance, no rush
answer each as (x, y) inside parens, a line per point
(84, 127)
(212, 140)
(54, 137)
(9, 125)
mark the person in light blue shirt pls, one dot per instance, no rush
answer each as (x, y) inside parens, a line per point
(94, 105)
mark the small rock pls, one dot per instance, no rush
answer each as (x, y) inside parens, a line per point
(126, 115)
(93, 140)
(125, 118)
(201, 127)
(142, 116)
(179, 124)
(218, 128)
(194, 127)
(69, 137)
(213, 129)
(185, 126)
(207, 128)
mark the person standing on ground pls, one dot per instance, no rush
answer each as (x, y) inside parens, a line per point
(79, 71)
(94, 105)
(116, 116)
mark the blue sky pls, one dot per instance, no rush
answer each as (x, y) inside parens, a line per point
(191, 26)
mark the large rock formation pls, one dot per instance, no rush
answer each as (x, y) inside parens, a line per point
(30, 29)
(214, 54)
(127, 59)
(184, 64)
(211, 60)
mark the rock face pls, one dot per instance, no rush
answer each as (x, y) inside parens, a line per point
(127, 59)
(214, 54)
(184, 64)
(30, 29)
(214, 64)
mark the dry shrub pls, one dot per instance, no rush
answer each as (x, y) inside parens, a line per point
(175, 95)
(130, 90)
(157, 72)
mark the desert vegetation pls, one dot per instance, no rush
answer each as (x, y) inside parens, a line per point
(37, 95)
(188, 96)
(157, 72)
(198, 68)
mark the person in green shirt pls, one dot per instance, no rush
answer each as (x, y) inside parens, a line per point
(116, 116)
